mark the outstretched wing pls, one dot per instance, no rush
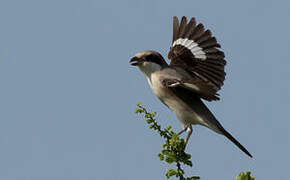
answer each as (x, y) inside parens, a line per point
(195, 50)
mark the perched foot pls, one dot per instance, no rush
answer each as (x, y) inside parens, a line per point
(189, 132)
(184, 129)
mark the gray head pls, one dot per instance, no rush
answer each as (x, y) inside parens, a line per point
(148, 58)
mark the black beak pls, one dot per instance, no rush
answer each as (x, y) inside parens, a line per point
(134, 61)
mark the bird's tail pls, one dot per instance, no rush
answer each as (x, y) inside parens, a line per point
(213, 124)
(204, 113)
(236, 142)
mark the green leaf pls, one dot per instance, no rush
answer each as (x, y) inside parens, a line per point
(165, 151)
(139, 110)
(171, 172)
(245, 176)
(147, 115)
(165, 145)
(161, 156)
(173, 148)
(180, 172)
(170, 157)
(151, 126)
(187, 156)
(188, 162)
(168, 128)
(150, 121)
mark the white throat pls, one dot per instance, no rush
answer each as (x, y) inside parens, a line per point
(148, 68)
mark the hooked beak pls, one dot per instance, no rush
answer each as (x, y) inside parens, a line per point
(135, 61)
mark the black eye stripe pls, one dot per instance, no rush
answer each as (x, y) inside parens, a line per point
(150, 57)
(153, 58)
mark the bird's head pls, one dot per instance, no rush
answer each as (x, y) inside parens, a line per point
(148, 61)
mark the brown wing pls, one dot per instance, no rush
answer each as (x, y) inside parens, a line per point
(195, 50)
(203, 90)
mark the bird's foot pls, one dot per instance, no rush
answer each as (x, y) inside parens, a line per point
(189, 132)
(183, 130)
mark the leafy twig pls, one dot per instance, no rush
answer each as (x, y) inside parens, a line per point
(172, 149)
(245, 176)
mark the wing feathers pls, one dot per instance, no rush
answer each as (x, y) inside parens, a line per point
(211, 50)
(182, 26)
(195, 50)
(197, 32)
(214, 61)
(206, 35)
(211, 42)
(210, 77)
(217, 55)
(214, 69)
(189, 28)
(175, 28)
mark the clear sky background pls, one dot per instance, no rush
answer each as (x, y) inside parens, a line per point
(68, 94)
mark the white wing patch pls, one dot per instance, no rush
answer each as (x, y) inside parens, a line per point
(191, 86)
(192, 46)
(174, 84)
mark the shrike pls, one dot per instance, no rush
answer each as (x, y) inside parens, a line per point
(196, 72)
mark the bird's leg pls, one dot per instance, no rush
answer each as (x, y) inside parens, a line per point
(189, 132)
(183, 130)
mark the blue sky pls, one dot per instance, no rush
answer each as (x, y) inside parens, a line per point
(68, 94)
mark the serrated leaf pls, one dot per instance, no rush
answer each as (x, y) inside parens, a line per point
(161, 156)
(137, 111)
(170, 159)
(150, 121)
(168, 128)
(147, 115)
(170, 172)
(245, 176)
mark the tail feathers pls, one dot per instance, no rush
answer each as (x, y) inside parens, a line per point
(192, 99)
(231, 138)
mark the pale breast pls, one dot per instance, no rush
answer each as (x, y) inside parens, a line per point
(184, 113)
(156, 86)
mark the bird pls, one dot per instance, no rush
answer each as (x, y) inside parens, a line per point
(195, 73)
